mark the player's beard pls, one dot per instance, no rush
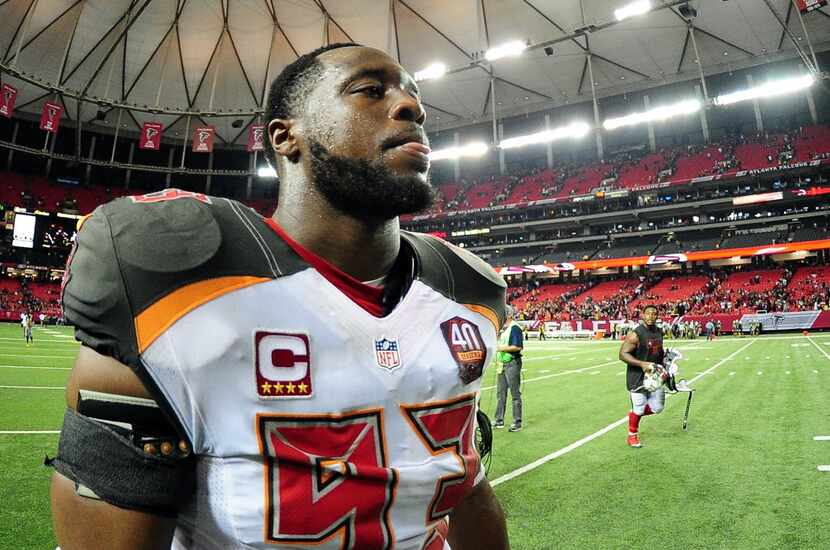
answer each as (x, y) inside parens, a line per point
(364, 189)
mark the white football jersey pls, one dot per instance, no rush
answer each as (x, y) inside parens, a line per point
(313, 422)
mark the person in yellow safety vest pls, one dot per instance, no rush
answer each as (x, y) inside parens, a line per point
(509, 373)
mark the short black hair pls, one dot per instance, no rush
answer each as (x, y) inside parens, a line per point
(289, 90)
(650, 306)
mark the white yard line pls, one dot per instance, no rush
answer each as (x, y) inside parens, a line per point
(14, 432)
(41, 356)
(821, 438)
(576, 444)
(818, 348)
(45, 339)
(823, 467)
(27, 367)
(561, 355)
(33, 387)
(563, 373)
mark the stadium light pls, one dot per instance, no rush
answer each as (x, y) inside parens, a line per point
(660, 113)
(633, 9)
(770, 89)
(266, 172)
(508, 49)
(475, 149)
(573, 130)
(436, 70)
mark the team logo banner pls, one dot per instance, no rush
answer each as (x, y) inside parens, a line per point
(150, 136)
(50, 117)
(256, 138)
(809, 5)
(203, 140)
(7, 99)
(283, 365)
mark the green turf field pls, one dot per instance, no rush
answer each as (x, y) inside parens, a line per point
(744, 476)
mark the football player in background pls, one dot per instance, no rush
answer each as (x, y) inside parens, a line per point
(27, 329)
(240, 385)
(642, 352)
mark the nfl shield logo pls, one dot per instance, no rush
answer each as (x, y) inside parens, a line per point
(386, 353)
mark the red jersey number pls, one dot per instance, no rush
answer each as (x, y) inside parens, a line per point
(327, 478)
(448, 427)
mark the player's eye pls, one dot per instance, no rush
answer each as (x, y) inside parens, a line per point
(374, 91)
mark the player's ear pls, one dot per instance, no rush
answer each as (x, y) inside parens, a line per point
(283, 139)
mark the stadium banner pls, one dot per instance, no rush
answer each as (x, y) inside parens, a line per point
(811, 192)
(256, 138)
(582, 327)
(790, 320)
(50, 117)
(700, 255)
(150, 135)
(757, 199)
(822, 320)
(7, 99)
(203, 139)
(805, 6)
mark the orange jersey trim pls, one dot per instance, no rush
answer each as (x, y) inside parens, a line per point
(486, 312)
(153, 321)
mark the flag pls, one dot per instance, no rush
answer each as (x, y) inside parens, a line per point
(150, 136)
(50, 117)
(7, 99)
(203, 139)
(256, 138)
(805, 6)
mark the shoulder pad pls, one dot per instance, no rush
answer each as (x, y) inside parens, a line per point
(164, 236)
(134, 251)
(458, 274)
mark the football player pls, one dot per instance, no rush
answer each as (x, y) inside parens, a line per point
(642, 352)
(308, 379)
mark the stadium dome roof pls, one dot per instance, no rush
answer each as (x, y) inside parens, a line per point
(218, 55)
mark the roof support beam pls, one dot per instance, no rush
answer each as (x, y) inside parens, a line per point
(49, 24)
(242, 67)
(683, 53)
(552, 22)
(121, 37)
(787, 24)
(582, 76)
(522, 88)
(440, 110)
(69, 42)
(804, 57)
(24, 26)
(100, 41)
(620, 66)
(394, 14)
(332, 19)
(150, 59)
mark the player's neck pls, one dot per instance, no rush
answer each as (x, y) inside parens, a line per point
(364, 251)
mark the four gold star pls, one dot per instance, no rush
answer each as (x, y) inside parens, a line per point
(302, 388)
